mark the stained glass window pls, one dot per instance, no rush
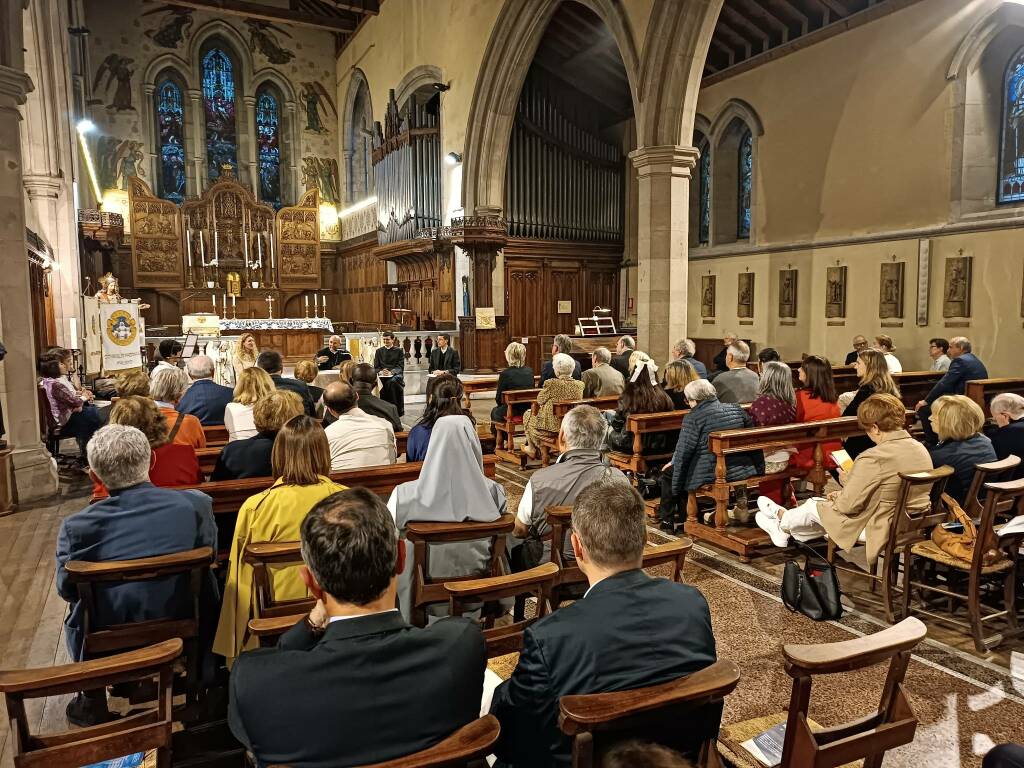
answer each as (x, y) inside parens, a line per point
(1011, 157)
(704, 182)
(219, 111)
(268, 143)
(746, 174)
(171, 141)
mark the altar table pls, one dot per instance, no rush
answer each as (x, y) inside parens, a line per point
(295, 338)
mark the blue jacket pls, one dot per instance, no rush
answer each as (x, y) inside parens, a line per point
(207, 401)
(698, 366)
(629, 631)
(963, 369)
(962, 455)
(693, 465)
(418, 442)
(141, 521)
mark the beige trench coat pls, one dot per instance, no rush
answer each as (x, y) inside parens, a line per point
(868, 499)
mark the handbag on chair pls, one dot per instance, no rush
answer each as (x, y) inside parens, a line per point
(961, 545)
(814, 590)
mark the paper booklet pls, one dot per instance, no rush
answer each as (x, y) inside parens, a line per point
(1014, 526)
(766, 748)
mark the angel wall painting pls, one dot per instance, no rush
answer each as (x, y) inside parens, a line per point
(316, 98)
(322, 173)
(117, 69)
(174, 26)
(117, 161)
(263, 38)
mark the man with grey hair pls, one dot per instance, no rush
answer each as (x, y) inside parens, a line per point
(560, 345)
(625, 347)
(628, 631)
(601, 380)
(581, 461)
(684, 349)
(205, 399)
(1008, 439)
(333, 355)
(965, 367)
(737, 384)
(137, 520)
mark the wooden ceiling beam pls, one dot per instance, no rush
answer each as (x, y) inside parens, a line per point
(250, 10)
(363, 7)
(755, 9)
(793, 12)
(837, 8)
(735, 37)
(740, 20)
(727, 50)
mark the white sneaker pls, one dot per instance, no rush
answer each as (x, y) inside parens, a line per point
(770, 524)
(769, 507)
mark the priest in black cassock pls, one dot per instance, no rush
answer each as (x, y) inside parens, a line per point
(389, 362)
(333, 355)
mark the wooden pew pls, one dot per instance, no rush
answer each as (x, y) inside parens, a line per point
(483, 384)
(549, 445)
(982, 391)
(505, 446)
(915, 385)
(643, 424)
(744, 540)
(216, 434)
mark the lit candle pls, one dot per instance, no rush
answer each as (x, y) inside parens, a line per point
(324, 297)
(202, 249)
(245, 244)
(214, 297)
(224, 304)
(233, 303)
(306, 297)
(188, 249)
(259, 248)
(270, 240)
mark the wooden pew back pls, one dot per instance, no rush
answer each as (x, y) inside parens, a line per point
(264, 557)
(982, 391)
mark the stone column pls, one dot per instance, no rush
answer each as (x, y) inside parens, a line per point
(35, 472)
(196, 137)
(662, 235)
(248, 149)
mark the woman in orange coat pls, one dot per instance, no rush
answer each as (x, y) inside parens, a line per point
(816, 400)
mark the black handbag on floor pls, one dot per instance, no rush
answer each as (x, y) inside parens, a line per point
(812, 591)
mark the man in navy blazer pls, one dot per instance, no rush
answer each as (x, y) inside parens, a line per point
(205, 398)
(629, 631)
(963, 368)
(352, 683)
(561, 344)
(271, 362)
(137, 520)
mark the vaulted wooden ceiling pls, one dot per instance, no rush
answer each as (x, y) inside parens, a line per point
(747, 29)
(342, 17)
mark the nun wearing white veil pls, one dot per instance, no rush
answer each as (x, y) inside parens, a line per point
(451, 488)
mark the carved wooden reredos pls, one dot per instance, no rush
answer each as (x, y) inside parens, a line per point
(224, 232)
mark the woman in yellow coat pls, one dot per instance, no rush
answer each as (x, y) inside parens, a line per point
(301, 460)
(563, 387)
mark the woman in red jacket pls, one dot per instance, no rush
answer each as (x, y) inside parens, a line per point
(174, 464)
(816, 401)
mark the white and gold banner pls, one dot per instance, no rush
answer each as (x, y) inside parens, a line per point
(122, 336)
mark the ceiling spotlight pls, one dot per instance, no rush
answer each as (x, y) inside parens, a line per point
(453, 158)
(85, 125)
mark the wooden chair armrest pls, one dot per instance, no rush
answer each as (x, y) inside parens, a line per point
(523, 579)
(267, 550)
(579, 712)
(857, 653)
(559, 513)
(277, 625)
(504, 524)
(471, 741)
(82, 570)
(83, 673)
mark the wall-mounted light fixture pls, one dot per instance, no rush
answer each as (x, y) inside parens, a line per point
(453, 158)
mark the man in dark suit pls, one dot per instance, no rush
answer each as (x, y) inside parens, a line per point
(364, 379)
(353, 683)
(603, 642)
(859, 345)
(389, 363)
(965, 367)
(137, 520)
(625, 347)
(271, 362)
(333, 355)
(205, 398)
(444, 358)
(561, 344)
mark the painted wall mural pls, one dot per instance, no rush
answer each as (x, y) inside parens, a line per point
(172, 28)
(263, 38)
(314, 98)
(321, 173)
(117, 70)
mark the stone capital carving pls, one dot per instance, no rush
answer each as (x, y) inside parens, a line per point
(14, 84)
(668, 160)
(42, 186)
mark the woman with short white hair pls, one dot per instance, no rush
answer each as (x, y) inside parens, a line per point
(1008, 439)
(563, 387)
(167, 387)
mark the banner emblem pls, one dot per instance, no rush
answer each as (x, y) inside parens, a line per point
(122, 328)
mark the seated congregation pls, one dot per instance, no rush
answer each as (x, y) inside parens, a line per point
(301, 564)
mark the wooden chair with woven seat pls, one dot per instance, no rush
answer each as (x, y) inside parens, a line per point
(572, 581)
(428, 589)
(994, 560)
(907, 528)
(139, 732)
(989, 472)
(465, 748)
(507, 638)
(88, 578)
(596, 722)
(806, 745)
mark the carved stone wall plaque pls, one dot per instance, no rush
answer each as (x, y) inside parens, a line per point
(835, 292)
(890, 290)
(956, 292)
(787, 292)
(707, 295)
(745, 295)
